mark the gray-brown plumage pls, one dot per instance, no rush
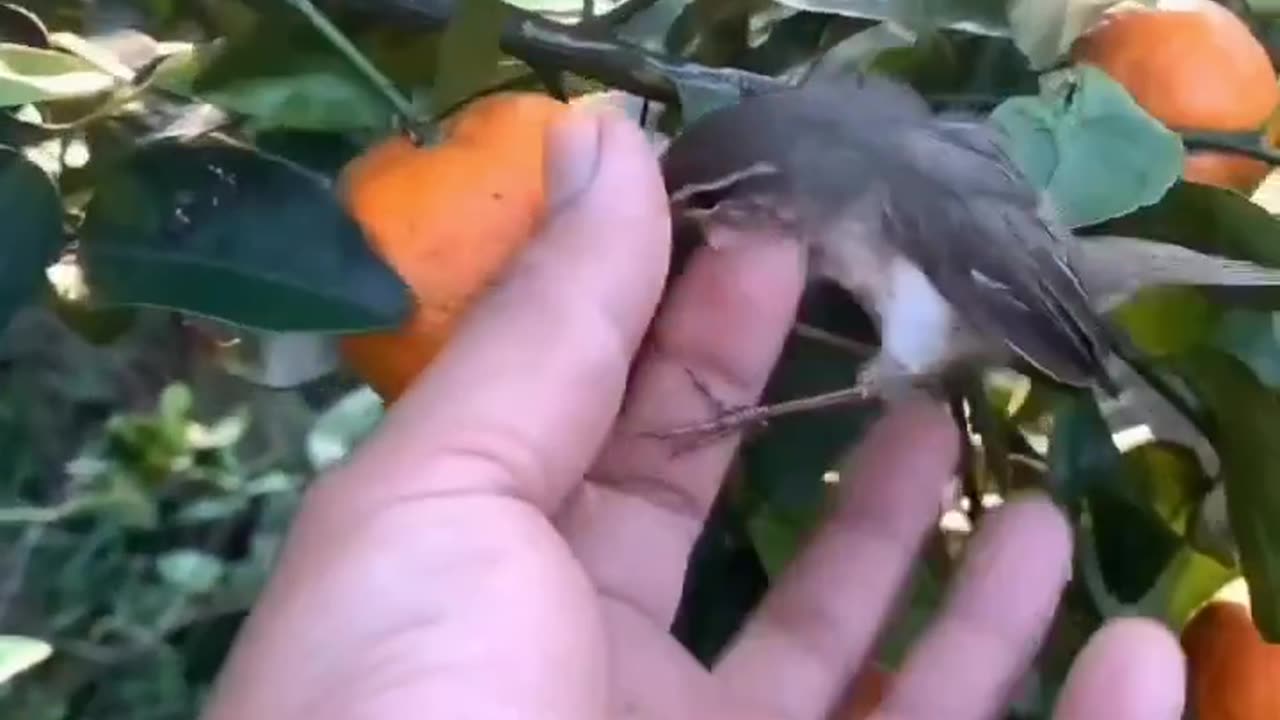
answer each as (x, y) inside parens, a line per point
(922, 218)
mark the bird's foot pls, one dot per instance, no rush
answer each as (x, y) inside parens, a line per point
(730, 421)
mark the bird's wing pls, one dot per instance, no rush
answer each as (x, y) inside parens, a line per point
(977, 230)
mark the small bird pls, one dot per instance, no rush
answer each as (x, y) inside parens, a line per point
(932, 229)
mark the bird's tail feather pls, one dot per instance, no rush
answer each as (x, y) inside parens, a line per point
(1114, 267)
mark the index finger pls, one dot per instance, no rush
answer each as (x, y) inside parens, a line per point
(524, 394)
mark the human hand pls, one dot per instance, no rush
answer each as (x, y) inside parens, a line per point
(508, 546)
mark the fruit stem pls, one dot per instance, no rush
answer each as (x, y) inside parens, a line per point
(342, 44)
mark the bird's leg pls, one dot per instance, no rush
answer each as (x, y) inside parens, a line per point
(727, 421)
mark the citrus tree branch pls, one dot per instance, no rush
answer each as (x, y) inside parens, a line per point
(592, 51)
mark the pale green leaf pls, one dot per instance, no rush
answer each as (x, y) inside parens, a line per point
(19, 654)
(1044, 30)
(33, 75)
(343, 426)
(191, 571)
(1086, 142)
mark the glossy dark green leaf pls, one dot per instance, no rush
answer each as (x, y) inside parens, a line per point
(221, 231)
(321, 152)
(469, 52)
(784, 465)
(1082, 454)
(32, 238)
(1134, 543)
(1245, 417)
(1212, 220)
(280, 75)
(963, 72)
(1168, 479)
(723, 583)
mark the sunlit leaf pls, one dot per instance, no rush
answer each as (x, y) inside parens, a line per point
(32, 238)
(1090, 146)
(19, 654)
(221, 231)
(1045, 29)
(191, 571)
(343, 426)
(32, 75)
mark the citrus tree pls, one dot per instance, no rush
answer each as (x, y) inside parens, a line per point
(234, 231)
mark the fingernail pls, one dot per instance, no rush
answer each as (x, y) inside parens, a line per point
(573, 157)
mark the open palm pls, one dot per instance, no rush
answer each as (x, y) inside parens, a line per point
(509, 546)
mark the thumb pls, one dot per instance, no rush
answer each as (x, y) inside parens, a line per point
(522, 398)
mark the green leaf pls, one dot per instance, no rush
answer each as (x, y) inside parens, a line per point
(785, 467)
(1082, 453)
(280, 77)
(191, 571)
(1253, 338)
(19, 654)
(1211, 220)
(1245, 416)
(1190, 580)
(343, 426)
(469, 52)
(34, 75)
(32, 213)
(1090, 146)
(723, 584)
(1206, 218)
(1164, 321)
(220, 231)
(1134, 543)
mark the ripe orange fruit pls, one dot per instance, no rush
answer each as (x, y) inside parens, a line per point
(1193, 65)
(447, 217)
(1232, 674)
